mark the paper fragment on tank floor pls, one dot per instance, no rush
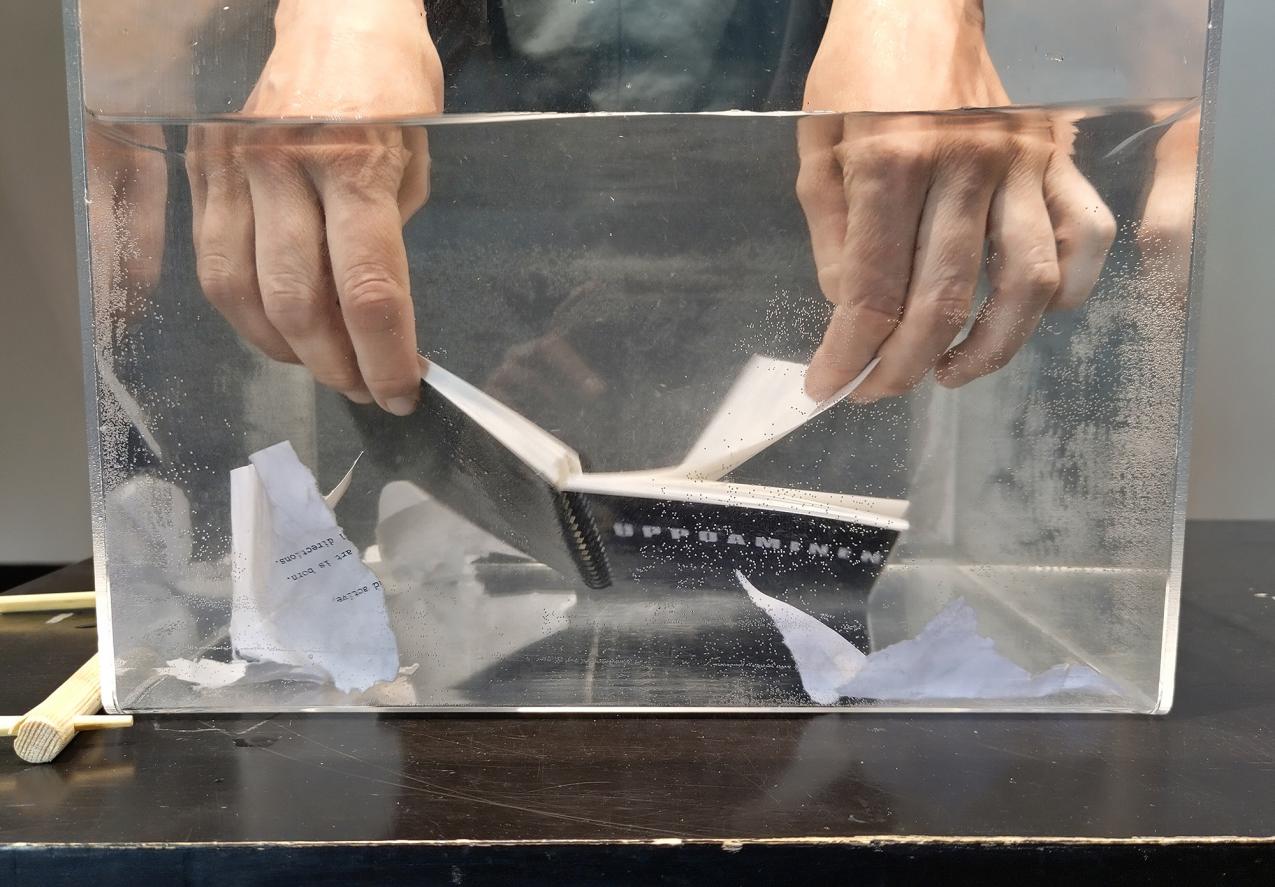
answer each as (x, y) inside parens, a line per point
(949, 659)
(213, 674)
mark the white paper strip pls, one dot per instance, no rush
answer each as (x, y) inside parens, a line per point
(302, 595)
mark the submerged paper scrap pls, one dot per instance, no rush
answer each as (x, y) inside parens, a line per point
(213, 674)
(206, 674)
(333, 498)
(302, 595)
(825, 660)
(949, 659)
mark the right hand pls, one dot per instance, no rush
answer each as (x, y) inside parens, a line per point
(900, 206)
(298, 229)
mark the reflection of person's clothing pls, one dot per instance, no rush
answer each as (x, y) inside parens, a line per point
(630, 55)
(686, 283)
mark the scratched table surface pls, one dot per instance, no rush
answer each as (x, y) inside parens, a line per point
(981, 799)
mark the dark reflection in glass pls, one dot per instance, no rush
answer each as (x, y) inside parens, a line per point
(339, 769)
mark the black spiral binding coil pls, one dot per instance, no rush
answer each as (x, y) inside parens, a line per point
(583, 539)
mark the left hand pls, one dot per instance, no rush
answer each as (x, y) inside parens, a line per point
(298, 229)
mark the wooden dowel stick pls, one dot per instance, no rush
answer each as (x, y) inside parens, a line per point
(37, 603)
(102, 722)
(9, 723)
(45, 730)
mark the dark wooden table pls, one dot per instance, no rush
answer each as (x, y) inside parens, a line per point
(862, 799)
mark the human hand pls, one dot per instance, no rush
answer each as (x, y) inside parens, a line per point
(298, 229)
(900, 207)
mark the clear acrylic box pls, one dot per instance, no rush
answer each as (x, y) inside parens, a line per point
(613, 266)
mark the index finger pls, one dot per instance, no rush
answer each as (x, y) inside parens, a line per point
(369, 267)
(886, 182)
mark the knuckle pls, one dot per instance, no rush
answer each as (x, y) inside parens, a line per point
(949, 301)
(361, 168)
(388, 385)
(981, 154)
(988, 151)
(877, 301)
(278, 353)
(271, 159)
(996, 359)
(1042, 277)
(221, 279)
(372, 297)
(1093, 231)
(829, 278)
(1032, 148)
(810, 185)
(890, 157)
(338, 378)
(1102, 224)
(893, 386)
(291, 302)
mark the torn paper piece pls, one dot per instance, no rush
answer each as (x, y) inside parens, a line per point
(213, 674)
(333, 498)
(302, 596)
(825, 660)
(949, 659)
(205, 674)
(54, 620)
(398, 693)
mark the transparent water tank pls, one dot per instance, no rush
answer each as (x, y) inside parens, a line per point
(624, 230)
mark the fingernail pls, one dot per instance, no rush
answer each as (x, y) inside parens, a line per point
(401, 406)
(359, 396)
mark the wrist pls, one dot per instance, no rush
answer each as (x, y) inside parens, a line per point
(956, 12)
(903, 55)
(383, 18)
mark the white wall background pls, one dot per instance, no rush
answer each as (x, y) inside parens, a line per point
(43, 479)
(43, 465)
(1231, 470)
